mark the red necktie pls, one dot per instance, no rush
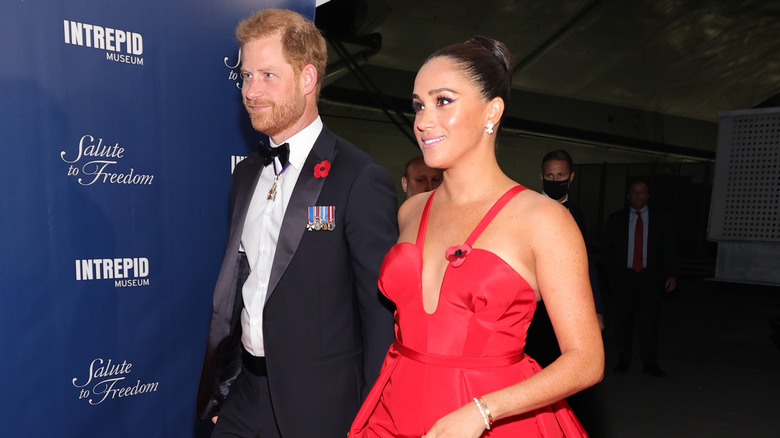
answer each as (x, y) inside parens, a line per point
(638, 240)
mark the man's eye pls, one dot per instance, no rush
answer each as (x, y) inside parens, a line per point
(245, 75)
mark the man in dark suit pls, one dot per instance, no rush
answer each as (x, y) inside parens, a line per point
(298, 329)
(557, 175)
(640, 255)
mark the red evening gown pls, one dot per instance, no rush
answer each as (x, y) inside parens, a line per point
(471, 345)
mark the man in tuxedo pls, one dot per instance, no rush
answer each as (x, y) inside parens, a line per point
(557, 175)
(640, 255)
(419, 178)
(298, 329)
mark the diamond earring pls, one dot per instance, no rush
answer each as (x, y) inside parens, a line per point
(489, 128)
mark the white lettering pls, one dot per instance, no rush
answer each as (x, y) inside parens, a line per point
(116, 268)
(76, 34)
(100, 169)
(135, 282)
(104, 38)
(108, 271)
(110, 39)
(88, 34)
(138, 44)
(234, 160)
(124, 58)
(100, 42)
(121, 37)
(98, 264)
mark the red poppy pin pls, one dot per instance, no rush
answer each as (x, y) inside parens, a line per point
(321, 170)
(456, 254)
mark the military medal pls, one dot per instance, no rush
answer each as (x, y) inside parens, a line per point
(272, 192)
(310, 224)
(322, 217)
(330, 221)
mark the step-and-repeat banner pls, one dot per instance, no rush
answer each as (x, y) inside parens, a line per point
(119, 126)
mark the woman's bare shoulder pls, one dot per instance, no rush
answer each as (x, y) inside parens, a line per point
(538, 212)
(411, 210)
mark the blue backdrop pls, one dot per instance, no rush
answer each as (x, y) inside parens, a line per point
(119, 123)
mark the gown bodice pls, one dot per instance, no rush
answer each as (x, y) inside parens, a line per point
(484, 306)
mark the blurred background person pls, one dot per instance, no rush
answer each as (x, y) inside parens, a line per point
(640, 255)
(557, 175)
(419, 178)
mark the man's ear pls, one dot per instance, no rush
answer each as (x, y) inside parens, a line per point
(309, 79)
(403, 183)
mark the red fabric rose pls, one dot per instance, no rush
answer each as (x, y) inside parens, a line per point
(321, 170)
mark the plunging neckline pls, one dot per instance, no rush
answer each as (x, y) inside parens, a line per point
(470, 240)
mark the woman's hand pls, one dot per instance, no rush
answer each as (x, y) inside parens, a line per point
(466, 422)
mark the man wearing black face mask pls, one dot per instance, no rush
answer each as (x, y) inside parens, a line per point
(557, 176)
(541, 343)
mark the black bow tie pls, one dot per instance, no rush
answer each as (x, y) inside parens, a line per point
(268, 153)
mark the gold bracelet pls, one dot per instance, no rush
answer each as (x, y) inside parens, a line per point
(487, 411)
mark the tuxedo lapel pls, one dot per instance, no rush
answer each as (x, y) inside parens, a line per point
(307, 191)
(244, 183)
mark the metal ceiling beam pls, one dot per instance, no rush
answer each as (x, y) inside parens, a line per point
(516, 126)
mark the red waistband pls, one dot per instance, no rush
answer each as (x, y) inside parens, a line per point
(458, 361)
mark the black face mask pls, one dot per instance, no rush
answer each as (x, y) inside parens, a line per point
(555, 189)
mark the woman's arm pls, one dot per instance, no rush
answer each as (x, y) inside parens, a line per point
(560, 265)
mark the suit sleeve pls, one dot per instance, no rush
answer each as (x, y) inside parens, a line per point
(222, 359)
(371, 229)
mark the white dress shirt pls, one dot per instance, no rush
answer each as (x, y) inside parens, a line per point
(261, 232)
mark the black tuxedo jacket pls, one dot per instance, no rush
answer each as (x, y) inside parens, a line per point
(326, 329)
(661, 246)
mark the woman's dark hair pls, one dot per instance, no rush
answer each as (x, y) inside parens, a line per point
(486, 62)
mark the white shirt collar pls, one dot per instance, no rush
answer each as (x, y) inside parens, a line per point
(302, 142)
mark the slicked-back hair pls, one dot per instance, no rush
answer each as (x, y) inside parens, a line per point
(486, 62)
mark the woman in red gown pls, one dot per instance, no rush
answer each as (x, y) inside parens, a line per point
(473, 258)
